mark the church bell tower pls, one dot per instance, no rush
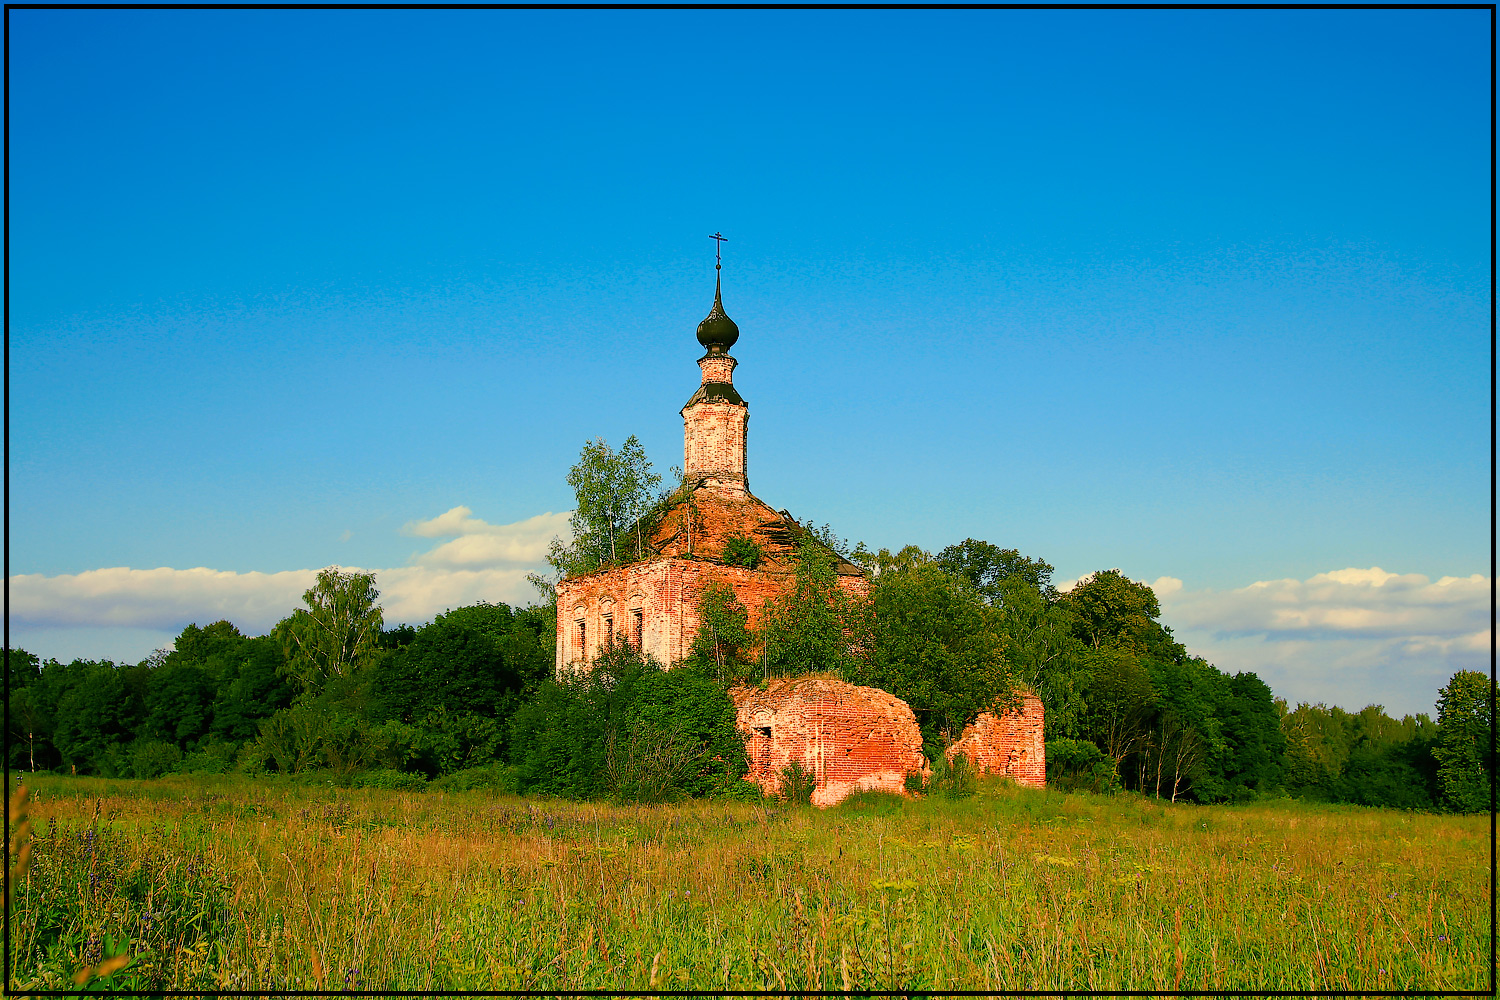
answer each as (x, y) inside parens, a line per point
(716, 419)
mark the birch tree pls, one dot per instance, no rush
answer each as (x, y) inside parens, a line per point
(613, 490)
(335, 634)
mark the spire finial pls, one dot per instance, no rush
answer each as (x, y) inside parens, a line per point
(718, 332)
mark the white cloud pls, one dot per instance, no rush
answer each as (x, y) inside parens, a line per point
(481, 562)
(157, 598)
(1350, 637)
(1368, 603)
(1166, 585)
(414, 594)
(481, 545)
(168, 599)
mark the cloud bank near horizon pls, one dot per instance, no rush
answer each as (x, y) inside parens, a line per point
(479, 562)
(1351, 636)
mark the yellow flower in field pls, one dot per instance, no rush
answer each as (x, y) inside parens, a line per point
(1052, 859)
(901, 886)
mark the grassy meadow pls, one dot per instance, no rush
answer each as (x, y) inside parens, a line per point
(230, 884)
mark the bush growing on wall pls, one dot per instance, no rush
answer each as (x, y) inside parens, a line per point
(742, 551)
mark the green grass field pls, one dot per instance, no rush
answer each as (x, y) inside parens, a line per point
(227, 883)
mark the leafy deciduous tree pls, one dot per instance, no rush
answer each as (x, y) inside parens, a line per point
(338, 630)
(722, 646)
(988, 568)
(816, 627)
(1111, 611)
(613, 490)
(935, 645)
(1463, 743)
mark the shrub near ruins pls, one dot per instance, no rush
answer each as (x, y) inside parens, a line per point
(628, 729)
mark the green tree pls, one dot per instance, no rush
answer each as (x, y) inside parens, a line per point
(989, 568)
(179, 703)
(721, 649)
(252, 690)
(629, 729)
(935, 645)
(477, 660)
(1464, 741)
(21, 668)
(30, 729)
(1186, 739)
(815, 627)
(1036, 630)
(29, 722)
(1121, 701)
(1111, 611)
(214, 648)
(1254, 742)
(336, 633)
(1364, 757)
(613, 490)
(96, 716)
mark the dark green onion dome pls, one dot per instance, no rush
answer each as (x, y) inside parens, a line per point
(717, 332)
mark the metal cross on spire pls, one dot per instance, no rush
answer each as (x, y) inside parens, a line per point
(719, 240)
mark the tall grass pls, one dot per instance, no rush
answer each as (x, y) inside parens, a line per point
(228, 884)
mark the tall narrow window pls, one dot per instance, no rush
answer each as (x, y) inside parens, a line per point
(609, 629)
(635, 627)
(583, 634)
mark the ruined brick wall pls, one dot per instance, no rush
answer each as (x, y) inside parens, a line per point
(700, 528)
(1010, 744)
(655, 604)
(851, 738)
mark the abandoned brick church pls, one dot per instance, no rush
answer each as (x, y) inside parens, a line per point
(850, 737)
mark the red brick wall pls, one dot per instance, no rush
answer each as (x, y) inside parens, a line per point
(717, 368)
(851, 738)
(1010, 744)
(713, 443)
(666, 593)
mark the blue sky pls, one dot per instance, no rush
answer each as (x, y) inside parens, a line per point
(1202, 295)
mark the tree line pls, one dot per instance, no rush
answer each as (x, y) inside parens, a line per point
(470, 699)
